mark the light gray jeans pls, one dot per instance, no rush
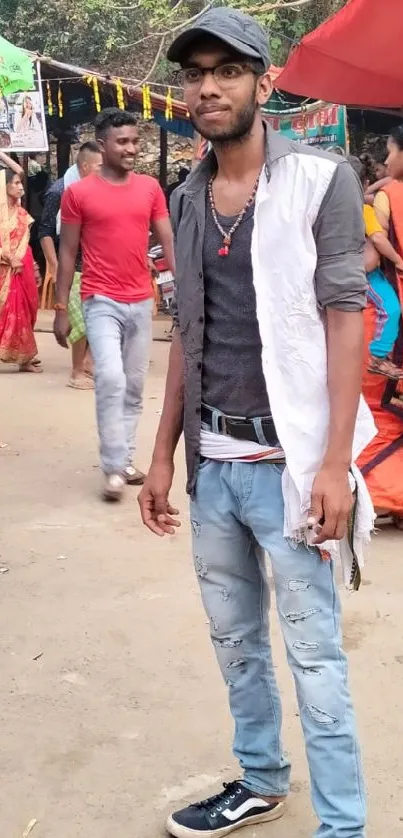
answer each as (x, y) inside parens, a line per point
(119, 335)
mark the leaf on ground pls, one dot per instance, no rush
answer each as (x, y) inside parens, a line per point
(29, 828)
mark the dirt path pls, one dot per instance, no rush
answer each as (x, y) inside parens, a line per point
(112, 708)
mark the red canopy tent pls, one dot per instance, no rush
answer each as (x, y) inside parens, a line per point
(353, 58)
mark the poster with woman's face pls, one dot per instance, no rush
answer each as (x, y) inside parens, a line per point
(22, 120)
(4, 123)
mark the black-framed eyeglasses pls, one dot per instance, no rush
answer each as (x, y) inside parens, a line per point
(226, 75)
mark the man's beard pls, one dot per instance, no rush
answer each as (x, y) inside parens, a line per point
(236, 133)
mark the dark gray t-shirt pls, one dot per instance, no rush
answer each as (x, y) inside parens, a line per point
(232, 379)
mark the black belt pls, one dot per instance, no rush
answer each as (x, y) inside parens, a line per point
(240, 428)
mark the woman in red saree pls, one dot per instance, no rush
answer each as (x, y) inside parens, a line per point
(18, 289)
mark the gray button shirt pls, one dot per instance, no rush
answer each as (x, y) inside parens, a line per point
(339, 277)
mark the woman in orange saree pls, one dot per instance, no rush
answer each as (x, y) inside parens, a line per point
(18, 289)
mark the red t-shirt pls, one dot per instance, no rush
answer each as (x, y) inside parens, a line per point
(115, 223)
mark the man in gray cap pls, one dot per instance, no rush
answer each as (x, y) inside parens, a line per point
(264, 380)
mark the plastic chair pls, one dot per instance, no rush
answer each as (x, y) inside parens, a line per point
(48, 290)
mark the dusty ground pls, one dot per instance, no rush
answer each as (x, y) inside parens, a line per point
(123, 715)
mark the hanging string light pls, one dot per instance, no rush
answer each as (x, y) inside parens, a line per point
(147, 109)
(49, 98)
(60, 100)
(120, 95)
(93, 82)
(169, 106)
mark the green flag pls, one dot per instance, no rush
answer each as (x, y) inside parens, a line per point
(16, 72)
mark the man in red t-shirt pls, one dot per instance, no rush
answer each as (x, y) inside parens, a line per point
(109, 214)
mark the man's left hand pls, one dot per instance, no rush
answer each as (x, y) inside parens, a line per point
(331, 502)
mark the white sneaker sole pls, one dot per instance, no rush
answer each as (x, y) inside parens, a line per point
(111, 495)
(179, 831)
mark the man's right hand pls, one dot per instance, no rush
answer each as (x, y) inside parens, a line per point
(156, 511)
(61, 328)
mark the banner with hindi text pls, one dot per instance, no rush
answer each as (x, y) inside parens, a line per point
(318, 124)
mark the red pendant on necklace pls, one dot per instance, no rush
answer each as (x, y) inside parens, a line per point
(224, 250)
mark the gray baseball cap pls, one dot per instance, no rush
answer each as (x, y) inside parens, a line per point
(239, 31)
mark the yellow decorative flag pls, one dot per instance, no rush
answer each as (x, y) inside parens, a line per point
(96, 94)
(120, 95)
(49, 98)
(93, 82)
(144, 92)
(169, 114)
(60, 101)
(147, 109)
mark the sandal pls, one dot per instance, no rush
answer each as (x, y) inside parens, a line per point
(383, 366)
(32, 366)
(83, 383)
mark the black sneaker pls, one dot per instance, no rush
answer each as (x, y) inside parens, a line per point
(219, 815)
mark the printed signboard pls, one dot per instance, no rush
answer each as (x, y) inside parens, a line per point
(22, 119)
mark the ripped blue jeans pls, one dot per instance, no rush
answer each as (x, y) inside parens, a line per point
(237, 515)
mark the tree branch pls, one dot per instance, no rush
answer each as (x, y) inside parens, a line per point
(190, 19)
(126, 8)
(174, 8)
(280, 4)
(141, 40)
(154, 64)
(174, 28)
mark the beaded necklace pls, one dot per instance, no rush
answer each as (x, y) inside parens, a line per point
(227, 236)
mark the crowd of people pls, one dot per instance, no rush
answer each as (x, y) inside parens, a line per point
(102, 210)
(277, 282)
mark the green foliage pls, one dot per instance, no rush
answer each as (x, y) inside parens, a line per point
(288, 24)
(87, 32)
(122, 36)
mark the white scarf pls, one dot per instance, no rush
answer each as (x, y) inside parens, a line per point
(294, 354)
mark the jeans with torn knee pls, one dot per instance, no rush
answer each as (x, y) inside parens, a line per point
(237, 515)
